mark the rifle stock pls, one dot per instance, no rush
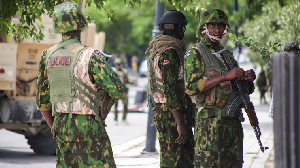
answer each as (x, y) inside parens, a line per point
(247, 104)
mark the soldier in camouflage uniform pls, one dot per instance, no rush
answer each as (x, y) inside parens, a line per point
(218, 138)
(174, 110)
(75, 90)
(123, 75)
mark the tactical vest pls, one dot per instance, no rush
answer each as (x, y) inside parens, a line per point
(71, 90)
(156, 85)
(220, 96)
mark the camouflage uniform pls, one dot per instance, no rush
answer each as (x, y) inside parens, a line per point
(172, 154)
(123, 75)
(82, 141)
(218, 138)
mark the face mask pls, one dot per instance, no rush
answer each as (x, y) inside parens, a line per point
(213, 38)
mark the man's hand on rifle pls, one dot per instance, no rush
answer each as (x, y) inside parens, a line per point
(250, 75)
(235, 72)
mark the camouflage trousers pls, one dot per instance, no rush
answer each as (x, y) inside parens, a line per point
(124, 99)
(173, 154)
(219, 143)
(82, 142)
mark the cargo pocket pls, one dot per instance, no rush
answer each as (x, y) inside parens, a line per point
(157, 118)
(200, 97)
(206, 159)
(225, 91)
(210, 98)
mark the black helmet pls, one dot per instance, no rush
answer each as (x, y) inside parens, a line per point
(292, 46)
(172, 20)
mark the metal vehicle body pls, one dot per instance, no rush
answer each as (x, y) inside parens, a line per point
(19, 70)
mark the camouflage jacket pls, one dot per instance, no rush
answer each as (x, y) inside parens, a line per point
(99, 72)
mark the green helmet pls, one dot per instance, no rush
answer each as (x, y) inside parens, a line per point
(211, 15)
(67, 17)
(118, 61)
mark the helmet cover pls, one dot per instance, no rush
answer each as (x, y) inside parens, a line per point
(211, 16)
(67, 17)
(118, 61)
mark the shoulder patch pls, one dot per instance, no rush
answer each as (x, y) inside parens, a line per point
(188, 53)
(99, 53)
(165, 62)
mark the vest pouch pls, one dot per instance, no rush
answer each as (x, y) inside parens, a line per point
(225, 90)
(226, 85)
(200, 97)
(157, 118)
(210, 97)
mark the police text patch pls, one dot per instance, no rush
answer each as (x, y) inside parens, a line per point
(59, 61)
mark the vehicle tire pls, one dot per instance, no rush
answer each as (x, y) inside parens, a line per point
(42, 144)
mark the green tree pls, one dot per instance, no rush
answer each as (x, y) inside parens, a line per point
(28, 11)
(128, 23)
(276, 25)
(130, 30)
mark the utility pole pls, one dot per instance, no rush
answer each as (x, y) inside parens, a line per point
(237, 46)
(151, 130)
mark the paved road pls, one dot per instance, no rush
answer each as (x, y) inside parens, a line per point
(16, 153)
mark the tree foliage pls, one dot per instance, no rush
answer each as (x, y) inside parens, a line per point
(131, 30)
(191, 6)
(276, 26)
(267, 25)
(127, 23)
(28, 11)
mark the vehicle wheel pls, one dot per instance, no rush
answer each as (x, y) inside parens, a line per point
(42, 144)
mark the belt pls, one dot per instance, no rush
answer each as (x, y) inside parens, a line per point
(219, 113)
(208, 112)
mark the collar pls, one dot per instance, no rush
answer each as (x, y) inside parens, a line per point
(210, 46)
(69, 37)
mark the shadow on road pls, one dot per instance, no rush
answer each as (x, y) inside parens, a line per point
(19, 157)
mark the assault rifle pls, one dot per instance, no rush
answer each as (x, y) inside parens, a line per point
(242, 98)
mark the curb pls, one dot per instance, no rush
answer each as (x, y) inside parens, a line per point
(118, 149)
